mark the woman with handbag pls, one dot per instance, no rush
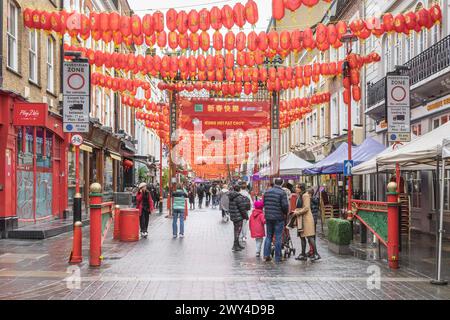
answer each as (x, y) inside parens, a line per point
(305, 223)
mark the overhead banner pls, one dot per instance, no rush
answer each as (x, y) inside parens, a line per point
(398, 108)
(223, 115)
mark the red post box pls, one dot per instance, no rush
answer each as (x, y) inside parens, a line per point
(393, 228)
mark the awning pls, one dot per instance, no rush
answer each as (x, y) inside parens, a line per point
(127, 145)
(290, 165)
(334, 163)
(421, 152)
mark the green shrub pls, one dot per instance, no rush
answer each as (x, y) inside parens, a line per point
(339, 231)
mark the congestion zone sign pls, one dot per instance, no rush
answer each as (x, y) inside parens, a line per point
(398, 108)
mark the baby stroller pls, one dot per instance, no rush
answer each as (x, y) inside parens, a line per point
(287, 246)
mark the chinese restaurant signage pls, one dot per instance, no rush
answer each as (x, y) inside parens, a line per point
(30, 114)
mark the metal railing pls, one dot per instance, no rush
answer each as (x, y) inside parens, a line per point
(431, 61)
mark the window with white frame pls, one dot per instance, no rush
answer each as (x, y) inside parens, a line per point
(12, 36)
(334, 115)
(314, 125)
(98, 104)
(408, 49)
(388, 54)
(107, 110)
(33, 55)
(343, 113)
(50, 64)
(302, 132)
(440, 120)
(397, 50)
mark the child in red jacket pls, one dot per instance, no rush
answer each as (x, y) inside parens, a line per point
(256, 223)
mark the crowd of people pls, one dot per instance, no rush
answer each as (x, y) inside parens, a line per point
(266, 218)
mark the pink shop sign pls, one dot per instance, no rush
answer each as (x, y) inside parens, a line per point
(30, 114)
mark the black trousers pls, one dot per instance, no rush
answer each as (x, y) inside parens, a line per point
(144, 220)
(237, 230)
(200, 201)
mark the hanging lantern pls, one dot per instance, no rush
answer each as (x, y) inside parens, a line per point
(106, 36)
(252, 41)
(173, 40)
(183, 41)
(285, 40)
(278, 9)
(216, 18)
(263, 41)
(388, 22)
(104, 21)
(241, 41)
(238, 74)
(230, 41)
(193, 21)
(204, 20)
(182, 22)
(171, 19)
(259, 57)
(356, 92)
(28, 18)
(308, 39)
(36, 18)
(332, 34)
(220, 75)
(205, 41)
(250, 58)
(321, 33)
(192, 64)
(293, 5)
(239, 15)
(251, 12)
(194, 41)
(357, 25)
(158, 20)
(364, 34)
(399, 23)
(436, 13)
(227, 17)
(273, 40)
(210, 63)
(296, 40)
(310, 3)
(125, 26)
(410, 21)
(162, 39)
(201, 63)
(272, 73)
(341, 28)
(424, 18)
(240, 58)
(218, 41)
(229, 74)
(136, 25)
(229, 60)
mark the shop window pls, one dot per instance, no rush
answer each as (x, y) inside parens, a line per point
(25, 152)
(439, 121)
(417, 129)
(108, 178)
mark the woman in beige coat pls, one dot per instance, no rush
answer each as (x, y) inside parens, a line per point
(305, 223)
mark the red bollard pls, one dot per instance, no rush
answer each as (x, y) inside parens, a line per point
(393, 230)
(116, 223)
(185, 210)
(76, 256)
(129, 225)
(95, 248)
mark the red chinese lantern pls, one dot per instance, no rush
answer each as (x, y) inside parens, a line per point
(171, 19)
(36, 18)
(230, 41)
(239, 15)
(104, 21)
(162, 39)
(321, 33)
(125, 26)
(424, 18)
(274, 40)
(272, 73)
(182, 22)
(205, 41)
(250, 58)
(216, 18)
(278, 9)
(293, 4)
(241, 41)
(46, 23)
(399, 23)
(173, 40)
(227, 17)
(238, 74)
(193, 21)
(356, 92)
(262, 74)
(28, 17)
(240, 58)
(210, 63)
(341, 28)
(388, 22)
(332, 34)
(357, 25)
(263, 41)
(158, 19)
(285, 40)
(218, 41)
(204, 20)
(192, 64)
(436, 13)
(220, 61)
(354, 77)
(251, 12)
(252, 41)
(136, 25)
(296, 40)
(55, 20)
(194, 41)
(410, 21)
(308, 39)
(201, 63)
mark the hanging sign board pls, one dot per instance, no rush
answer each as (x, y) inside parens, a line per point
(398, 108)
(76, 91)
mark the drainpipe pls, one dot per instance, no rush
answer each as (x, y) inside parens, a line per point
(1, 45)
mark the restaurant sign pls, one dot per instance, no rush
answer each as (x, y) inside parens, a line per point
(30, 114)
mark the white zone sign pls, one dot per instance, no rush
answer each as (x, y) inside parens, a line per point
(76, 91)
(398, 108)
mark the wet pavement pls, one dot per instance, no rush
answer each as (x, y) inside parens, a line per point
(199, 266)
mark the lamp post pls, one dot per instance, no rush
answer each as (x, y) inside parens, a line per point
(348, 40)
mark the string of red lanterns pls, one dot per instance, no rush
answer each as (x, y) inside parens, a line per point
(279, 6)
(135, 31)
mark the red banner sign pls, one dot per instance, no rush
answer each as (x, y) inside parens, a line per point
(30, 114)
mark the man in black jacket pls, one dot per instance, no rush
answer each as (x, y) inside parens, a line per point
(238, 212)
(276, 206)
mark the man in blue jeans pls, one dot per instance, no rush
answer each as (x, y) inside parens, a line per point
(178, 201)
(276, 207)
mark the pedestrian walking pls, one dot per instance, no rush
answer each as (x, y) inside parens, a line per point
(224, 203)
(215, 195)
(200, 194)
(305, 223)
(179, 205)
(257, 223)
(238, 213)
(245, 193)
(207, 194)
(276, 207)
(144, 203)
(191, 195)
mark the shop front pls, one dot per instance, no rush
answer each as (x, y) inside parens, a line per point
(33, 187)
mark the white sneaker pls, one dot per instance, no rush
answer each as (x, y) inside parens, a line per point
(244, 239)
(181, 235)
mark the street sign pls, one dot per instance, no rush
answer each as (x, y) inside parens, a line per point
(348, 166)
(76, 91)
(76, 140)
(398, 108)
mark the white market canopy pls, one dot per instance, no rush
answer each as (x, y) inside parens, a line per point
(290, 164)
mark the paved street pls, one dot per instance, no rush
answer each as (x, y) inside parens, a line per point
(200, 266)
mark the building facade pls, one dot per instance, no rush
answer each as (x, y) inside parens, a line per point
(33, 156)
